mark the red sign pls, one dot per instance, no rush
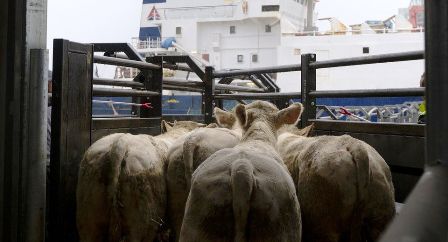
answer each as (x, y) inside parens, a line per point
(153, 15)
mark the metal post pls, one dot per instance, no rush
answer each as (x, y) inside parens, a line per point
(153, 81)
(209, 90)
(308, 84)
(424, 215)
(35, 176)
(436, 46)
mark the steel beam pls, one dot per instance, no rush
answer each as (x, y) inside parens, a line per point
(424, 215)
(177, 67)
(261, 70)
(180, 88)
(392, 92)
(124, 62)
(261, 96)
(109, 92)
(373, 59)
(128, 49)
(308, 84)
(209, 90)
(115, 82)
(154, 83)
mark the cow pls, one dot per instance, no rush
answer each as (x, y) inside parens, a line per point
(121, 191)
(245, 193)
(188, 153)
(343, 185)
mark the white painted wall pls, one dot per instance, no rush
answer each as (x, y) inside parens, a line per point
(249, 38)
(386, 75)
(188, 38)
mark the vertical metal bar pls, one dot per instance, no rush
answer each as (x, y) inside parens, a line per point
(436, 46)
(209, 90)
(424, 215)
(35, 175)
(308, 83)
(153, 82)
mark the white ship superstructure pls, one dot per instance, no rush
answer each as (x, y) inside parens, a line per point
(217, 29)
(231, 34)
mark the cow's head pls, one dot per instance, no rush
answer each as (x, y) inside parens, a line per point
(268, 114)
(225, 119)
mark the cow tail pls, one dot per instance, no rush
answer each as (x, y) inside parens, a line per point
(188, 158)
(117, 157)
(242, 183)
(361, 160)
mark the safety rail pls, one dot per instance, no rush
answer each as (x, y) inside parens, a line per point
(308, 68)
(124, 62)
(392, 92)
(109, 92)
(373, 59)
(253, 71)
(115, 82)
(260, 96)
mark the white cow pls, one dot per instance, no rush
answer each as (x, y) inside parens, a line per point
(188, 153)
(245, 193)
(121, 192)
(343, 185)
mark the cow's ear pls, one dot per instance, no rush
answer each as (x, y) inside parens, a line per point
(289, 115)
(241, 115)
(224, 118)
(307, 131)
(165, 126)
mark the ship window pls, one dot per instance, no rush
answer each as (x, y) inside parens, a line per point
(267, 28)
(270, 8)
(206, 57)
(365, 50)
(232, 29)
(239, 58)
(254, 58)
(178, 30)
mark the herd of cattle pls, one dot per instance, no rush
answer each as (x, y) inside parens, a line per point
(253, 176)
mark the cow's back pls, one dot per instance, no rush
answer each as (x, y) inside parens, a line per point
(197, 146)
(92, 190)
(333, 177)
(128, 173)
(273, 214)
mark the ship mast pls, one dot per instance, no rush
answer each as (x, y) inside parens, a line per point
(310, 15)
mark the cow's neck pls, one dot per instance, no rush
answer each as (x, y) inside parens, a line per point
(260, 131)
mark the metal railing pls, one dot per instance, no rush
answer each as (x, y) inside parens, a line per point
(309, 93)
(356, 32)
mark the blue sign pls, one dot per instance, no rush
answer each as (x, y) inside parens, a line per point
(153, 1)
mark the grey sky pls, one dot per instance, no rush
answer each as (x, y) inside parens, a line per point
(119, 20)
(357, 11)
(93, 20)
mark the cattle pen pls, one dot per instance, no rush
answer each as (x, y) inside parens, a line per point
(416, 153)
